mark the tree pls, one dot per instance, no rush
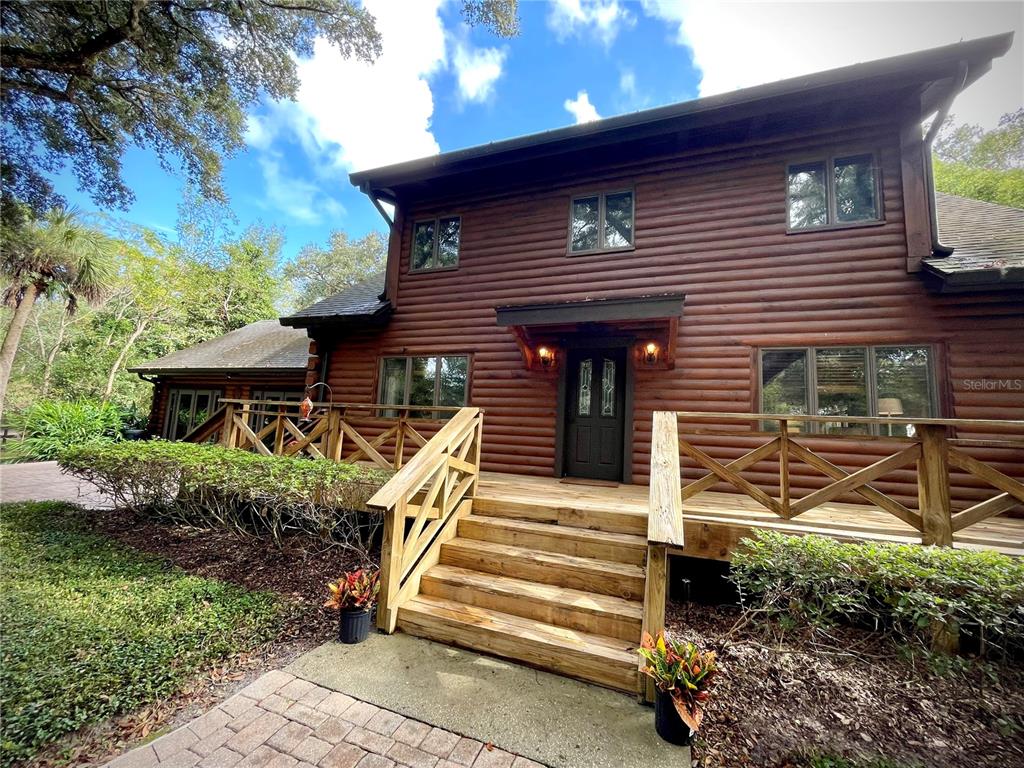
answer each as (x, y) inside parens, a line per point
(81, 80)
(982, 165)
(317, 272)
(57, 256)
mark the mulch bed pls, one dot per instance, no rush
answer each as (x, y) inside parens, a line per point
(298, 571)
(783, 698)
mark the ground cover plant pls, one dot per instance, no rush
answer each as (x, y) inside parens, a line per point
(48, 427)
(904, 590)
(92, 629)
(215, 487)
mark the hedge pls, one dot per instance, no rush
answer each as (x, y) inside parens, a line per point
(904, 589)
(212, 486)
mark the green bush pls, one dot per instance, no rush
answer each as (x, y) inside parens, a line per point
(92, 629)
(211, 486)
(905, 589)
(49, 426)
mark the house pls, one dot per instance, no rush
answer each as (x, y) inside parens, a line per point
(584, 293)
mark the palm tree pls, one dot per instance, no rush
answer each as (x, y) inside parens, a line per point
(58, 255)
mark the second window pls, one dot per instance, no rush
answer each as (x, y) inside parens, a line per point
(435, 244)
(601, 222)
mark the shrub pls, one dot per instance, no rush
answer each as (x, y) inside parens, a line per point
(48, 427)
(682, 671)
(905, 589)
(212, 486)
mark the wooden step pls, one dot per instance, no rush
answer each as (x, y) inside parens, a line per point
(548, 537)
(586, 574)
(598, 518)
(571, 608)
(592, 658)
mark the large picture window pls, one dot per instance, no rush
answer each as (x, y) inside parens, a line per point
(424, 380)
(187, 409)
(435, 244)
(893, 381)
(834, 192)
(601, 222)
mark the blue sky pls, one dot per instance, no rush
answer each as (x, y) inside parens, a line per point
(441, 86)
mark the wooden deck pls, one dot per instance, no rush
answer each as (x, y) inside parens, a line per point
(715, 522)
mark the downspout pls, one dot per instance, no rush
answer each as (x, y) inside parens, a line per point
(938, 249)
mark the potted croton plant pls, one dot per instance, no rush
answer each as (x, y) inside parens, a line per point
(352, 596)
(682, 674)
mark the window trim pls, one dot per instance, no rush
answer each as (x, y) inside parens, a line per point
(870, 372)
(600, 222)
(174, 397)
(408, 357)
(436, 244)
(829, 161)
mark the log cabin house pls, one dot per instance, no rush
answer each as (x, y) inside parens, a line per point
(655, 333)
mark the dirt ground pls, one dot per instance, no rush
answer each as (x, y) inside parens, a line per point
(298, 571)
(783, 698)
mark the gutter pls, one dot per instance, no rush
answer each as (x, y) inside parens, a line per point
(938, 249)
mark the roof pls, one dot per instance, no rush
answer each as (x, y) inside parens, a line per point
(261, 346)
(987, 241)
(361, 302)
(930, 73)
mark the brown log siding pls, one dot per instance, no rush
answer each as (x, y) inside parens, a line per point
(712, 225)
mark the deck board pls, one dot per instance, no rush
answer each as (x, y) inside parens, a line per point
(713, 517)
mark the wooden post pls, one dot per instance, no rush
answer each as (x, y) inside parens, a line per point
(400, 438)
(784, 466)
(279, 432)
(478, 445)
(391, 567)
(227, 438)
(933, 486)
(333, 437)
(665, 505)
(654, 607)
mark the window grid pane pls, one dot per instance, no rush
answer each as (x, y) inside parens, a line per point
(618, 220)
(448, 242)
(807, 195)
(854, 179)
(584, 395)
(584, 224)
(608, 388)
(454, 375)
(784, 383)
(841, 376)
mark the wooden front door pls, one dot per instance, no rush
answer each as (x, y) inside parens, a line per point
(594, 418)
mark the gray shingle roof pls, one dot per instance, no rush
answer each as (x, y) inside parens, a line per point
(360, 301)
(263, 345)
(988, 243)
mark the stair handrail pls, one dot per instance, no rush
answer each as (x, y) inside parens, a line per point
(430, 493)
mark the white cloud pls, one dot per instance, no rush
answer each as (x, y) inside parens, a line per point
(581, 108)
(740, 44)
(302, 200)
(602, 18)
(477, 70)
(627, 83)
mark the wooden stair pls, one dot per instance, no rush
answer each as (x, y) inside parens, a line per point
(550, 586)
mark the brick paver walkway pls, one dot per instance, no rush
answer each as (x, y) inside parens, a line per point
(283, 721)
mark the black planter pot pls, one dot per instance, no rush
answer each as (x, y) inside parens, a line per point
(668, 723)
(353, 626)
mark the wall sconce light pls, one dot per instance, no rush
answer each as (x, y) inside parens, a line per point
(651, 353)
(546, 357)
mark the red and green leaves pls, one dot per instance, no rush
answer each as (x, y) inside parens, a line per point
(682, 670)
(355, 590)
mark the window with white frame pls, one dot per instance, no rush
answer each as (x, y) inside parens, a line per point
(601, 222)
(836, 191)
(424, 380)
(258, 421)
(893, 381)
(187, 409)
(435, 244)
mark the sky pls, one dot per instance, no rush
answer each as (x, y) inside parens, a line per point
(440, 85)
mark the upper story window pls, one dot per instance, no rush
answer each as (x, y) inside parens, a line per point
(834, 192)
(889, 381)
(435, 243)
(601, 222)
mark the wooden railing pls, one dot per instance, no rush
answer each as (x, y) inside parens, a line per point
(336, 431)
(422, 505)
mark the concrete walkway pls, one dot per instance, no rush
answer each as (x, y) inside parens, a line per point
(43, 481)
(283, 721)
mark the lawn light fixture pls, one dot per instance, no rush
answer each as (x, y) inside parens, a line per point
(651, 353)
(546, 356)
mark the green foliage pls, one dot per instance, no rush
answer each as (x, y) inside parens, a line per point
(681, 670)
(354, 591)
(828, 761)
(982, 165)
(318, 272)
(92, 630)
(904, 589)
(212, 486)
(48, 427)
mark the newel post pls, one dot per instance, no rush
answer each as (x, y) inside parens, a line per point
(390, 567)
(933, 486)
(227, 437)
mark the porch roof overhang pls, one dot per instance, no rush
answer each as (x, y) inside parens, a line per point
(609, 310)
